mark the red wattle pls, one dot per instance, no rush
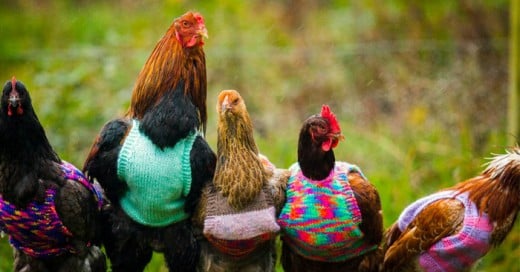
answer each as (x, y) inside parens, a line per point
(326, 145)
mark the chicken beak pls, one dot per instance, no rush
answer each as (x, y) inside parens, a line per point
(225, 104)
(203, 32)
(14, 99)
(336, 138)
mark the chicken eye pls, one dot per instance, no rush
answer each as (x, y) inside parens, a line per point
(315, 130)
(186, 24)
(320, 129)
(235, 101)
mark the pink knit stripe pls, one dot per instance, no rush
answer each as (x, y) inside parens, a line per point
(461, 250)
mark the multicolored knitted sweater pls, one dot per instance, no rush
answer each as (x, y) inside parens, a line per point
(158, 179)
(38, 230)
(457, 252)
(321, 219)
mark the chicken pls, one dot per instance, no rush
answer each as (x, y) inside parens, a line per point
(452, 229)
(154, 162)
(332, 218)
(237, 212)
(47, 207)
(177, 58)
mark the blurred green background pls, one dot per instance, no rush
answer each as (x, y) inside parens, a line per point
(420, 87)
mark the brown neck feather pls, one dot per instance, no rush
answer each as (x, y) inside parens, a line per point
(168, 64)
(492, 196)
(239, 174)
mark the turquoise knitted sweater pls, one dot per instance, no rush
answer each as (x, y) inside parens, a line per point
(158, 180)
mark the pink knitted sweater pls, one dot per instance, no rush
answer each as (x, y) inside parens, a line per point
(457, 252)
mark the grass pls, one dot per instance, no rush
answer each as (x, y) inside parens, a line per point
(418, 114)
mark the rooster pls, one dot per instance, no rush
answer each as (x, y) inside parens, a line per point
(47, 207)
(237, 212)
(177, 58)
(154, 162)
(332, 218)
(452, 229)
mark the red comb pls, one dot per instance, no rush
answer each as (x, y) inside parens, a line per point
(198, 17)
(13, 83)
(329, 115)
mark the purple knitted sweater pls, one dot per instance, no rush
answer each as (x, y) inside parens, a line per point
(457, 252)
(38, 230)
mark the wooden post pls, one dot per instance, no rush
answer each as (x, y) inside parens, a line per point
(513, 129)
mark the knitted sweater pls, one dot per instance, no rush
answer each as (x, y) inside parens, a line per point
(321, 219)
(457, 252)
(239, 232)
(158, 179)
(37, 230)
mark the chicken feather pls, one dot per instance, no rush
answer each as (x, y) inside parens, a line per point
(471, 217)
(47, 207)
(245, 183)
(167, 107)
(319, 135)
(440, 219)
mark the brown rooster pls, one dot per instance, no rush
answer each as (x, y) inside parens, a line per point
(332, 219)
(47, 207)
(154, 162)
(452, 229)
(237, 212)
(177, 58)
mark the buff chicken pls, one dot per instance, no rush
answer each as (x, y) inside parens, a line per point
(237, 211)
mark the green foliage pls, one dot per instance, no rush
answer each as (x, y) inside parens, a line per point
(514, 70)
(419, 88)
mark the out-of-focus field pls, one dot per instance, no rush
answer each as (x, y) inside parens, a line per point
(420, 88)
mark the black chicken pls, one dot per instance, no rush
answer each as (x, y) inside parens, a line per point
(47, 207)
(332, 217)
(151, 200)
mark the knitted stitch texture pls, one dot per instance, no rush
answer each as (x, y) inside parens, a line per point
(457, 252)
(37, 230)
(321, 219)
(238, 233)
(158, 179)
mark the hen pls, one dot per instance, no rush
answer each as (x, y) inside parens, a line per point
(453, 228)
(332, 218)
(237, 212)
(154, 162)
(47, 207)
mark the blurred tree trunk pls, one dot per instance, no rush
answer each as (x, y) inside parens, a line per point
(514, 74)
